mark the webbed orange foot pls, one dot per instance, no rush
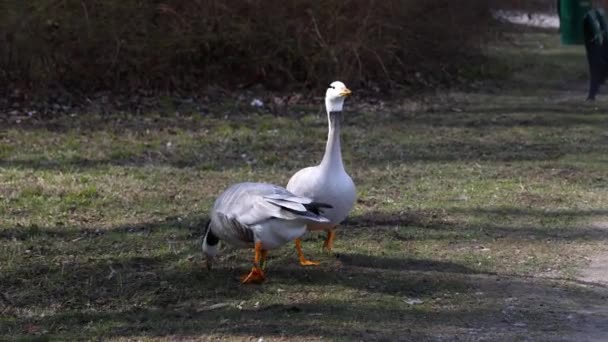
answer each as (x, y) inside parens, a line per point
(256, 276)
(303, 260)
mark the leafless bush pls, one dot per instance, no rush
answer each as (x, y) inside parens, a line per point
(127, 44)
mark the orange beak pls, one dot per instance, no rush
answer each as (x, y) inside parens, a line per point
(345, 92)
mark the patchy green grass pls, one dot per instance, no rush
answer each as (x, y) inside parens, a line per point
(475, 213)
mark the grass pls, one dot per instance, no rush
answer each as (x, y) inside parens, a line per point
(475, 215)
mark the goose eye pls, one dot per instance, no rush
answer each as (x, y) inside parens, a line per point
(332, 87)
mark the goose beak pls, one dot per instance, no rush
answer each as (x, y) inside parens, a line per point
(345, 92)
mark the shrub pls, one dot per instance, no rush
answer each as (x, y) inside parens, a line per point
(128, 44)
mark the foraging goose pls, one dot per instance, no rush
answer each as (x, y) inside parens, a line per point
(259, 215)
(327, 182)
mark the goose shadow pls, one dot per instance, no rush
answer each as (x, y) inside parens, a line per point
(213, 305)
(500, 222)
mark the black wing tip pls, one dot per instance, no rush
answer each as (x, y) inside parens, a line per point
(316, 207)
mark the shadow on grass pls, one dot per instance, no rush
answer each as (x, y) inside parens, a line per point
(193, 224)
(403, 264)
(535, 116)
(269, 155)
(104, 292)
(159, 296)
(226, 151)
(433, 225)
(182, 302)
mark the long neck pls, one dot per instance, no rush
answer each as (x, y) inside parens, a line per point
(333, 154)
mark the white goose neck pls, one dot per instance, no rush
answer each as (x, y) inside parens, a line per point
(332, 160)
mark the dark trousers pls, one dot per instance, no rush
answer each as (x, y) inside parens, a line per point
(597, 57)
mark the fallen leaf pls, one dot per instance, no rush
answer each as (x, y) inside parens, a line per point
(214, 307)
(413, 301)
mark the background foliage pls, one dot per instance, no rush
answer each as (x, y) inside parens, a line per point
(169, 44)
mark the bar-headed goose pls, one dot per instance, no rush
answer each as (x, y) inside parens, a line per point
(259, 215)
(327, 182)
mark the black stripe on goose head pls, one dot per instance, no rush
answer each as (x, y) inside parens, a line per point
(211, 238)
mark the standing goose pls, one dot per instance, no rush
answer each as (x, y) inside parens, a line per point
(327, 182)
(259, 215)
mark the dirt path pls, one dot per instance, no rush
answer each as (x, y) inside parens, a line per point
(597, 270)
(595, 275)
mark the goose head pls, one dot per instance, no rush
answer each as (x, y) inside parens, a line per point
(210, 245)
(335, 95)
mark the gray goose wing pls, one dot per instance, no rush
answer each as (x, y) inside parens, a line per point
(246, 204)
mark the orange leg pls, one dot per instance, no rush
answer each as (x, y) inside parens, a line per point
(303, 260)
(256, 275)
(263, 258)
(329, 241)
